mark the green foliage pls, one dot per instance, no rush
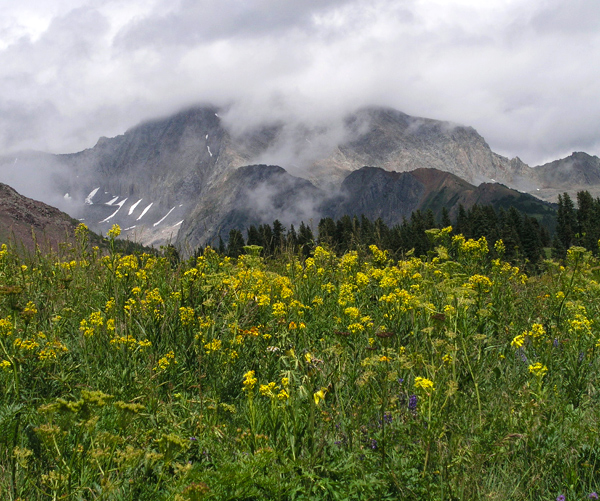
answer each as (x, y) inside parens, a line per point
(358, 376)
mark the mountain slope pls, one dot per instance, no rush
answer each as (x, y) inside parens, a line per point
(255, 194)
(577, 172)
(172, 179)
(395, 141)
(393, 196)
(26, 222)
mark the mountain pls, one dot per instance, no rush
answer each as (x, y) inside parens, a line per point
(392, 196)
(25, 222)
(395, 141)
(259, 194)
(254, 194)
(187, 177)
(577, 172)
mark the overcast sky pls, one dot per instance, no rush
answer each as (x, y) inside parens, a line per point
(524, 73)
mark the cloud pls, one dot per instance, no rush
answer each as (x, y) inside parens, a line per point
(522, 72)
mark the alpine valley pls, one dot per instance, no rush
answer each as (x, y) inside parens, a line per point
(190, 177)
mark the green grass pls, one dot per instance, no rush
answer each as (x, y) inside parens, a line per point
(448, 377)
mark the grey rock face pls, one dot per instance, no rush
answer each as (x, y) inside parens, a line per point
(179, 178)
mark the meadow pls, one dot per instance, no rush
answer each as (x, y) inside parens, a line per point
(449, 376)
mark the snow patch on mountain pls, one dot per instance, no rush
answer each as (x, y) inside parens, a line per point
(120, 204)
(144, 211)
(88, 199)
(160, 221)
(132, 208)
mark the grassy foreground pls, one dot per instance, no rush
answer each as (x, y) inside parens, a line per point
(449, 377)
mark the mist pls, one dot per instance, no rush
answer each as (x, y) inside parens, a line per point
(523, 73)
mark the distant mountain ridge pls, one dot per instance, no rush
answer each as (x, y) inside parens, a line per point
(370, 191)
(185, 178)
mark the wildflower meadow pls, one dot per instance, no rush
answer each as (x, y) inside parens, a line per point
(450, 376)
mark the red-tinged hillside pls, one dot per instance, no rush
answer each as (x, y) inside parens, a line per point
(24, 221)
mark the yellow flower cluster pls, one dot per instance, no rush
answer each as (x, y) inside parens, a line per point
(538, 369)
(129, 341)
(6, 326)
(479, 283)
(30, 310)
(165, 362)
(114, 232)
(279, 310)
(346, 294)
(348, 261)
(214, 345)
(154, 304)
(580, 324)
(474, 249)
(537, 332)
(268, 390)
(424, 384)
(352, 312)
(379, 256)
(187, 315)
(90, 325)
(51, 350)
(126, 266)
(249, 381)
(26, 344)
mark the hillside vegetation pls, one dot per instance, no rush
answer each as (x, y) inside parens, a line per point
(450, 376)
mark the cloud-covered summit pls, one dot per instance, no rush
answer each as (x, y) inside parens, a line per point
(522, 72)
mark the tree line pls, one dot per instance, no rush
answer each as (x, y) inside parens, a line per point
(526, 238)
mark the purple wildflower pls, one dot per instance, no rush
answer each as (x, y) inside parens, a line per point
(373, 444)
(555, 343)
(561, 498)
(594, 495)
(412, 403)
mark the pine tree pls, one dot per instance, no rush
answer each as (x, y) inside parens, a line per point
(566, 226)
(445, 221)
(278, 236)
(305, 239)
(235, 245)
(253, 236)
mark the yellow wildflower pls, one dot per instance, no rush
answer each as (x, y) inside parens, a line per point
(424, 384)
(319, 395)
(249, 381)
(115, 231)
(519, 340)
(538, 369)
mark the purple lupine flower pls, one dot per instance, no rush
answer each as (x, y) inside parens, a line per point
(412, 403)
(555, 342)
(593, 495)
(400, 380)
(373, 444)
